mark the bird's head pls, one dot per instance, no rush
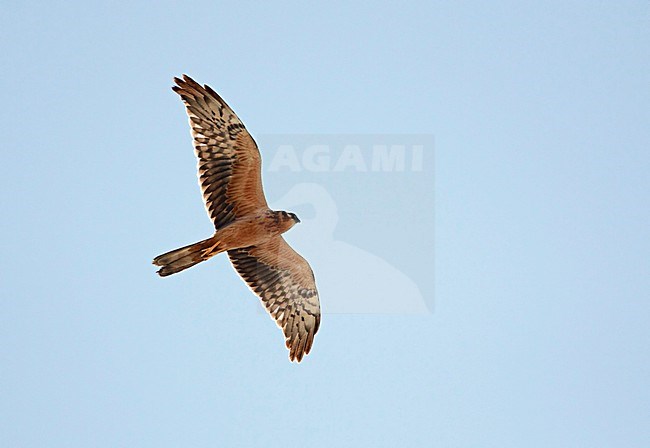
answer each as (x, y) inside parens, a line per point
(288, 219)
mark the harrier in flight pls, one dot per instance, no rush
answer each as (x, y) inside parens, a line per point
(230, 177)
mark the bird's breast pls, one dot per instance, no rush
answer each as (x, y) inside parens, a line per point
(248, 231)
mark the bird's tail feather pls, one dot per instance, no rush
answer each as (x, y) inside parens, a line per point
(180, 259)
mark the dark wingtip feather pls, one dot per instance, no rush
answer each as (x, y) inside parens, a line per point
(298, 348)
(189, 82)
(214, 94)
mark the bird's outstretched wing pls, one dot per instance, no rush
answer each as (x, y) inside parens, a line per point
(229, 160)
(285, 283)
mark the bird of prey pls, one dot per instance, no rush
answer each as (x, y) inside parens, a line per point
(230, 178)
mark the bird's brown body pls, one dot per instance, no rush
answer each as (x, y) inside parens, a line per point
(245, 227)
(254, 229)
(251, 230)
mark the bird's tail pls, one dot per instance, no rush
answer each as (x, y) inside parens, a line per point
(180, 259)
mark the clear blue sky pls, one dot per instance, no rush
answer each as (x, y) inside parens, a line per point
(537, 332)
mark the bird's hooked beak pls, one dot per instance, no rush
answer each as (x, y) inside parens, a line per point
(297, 220)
